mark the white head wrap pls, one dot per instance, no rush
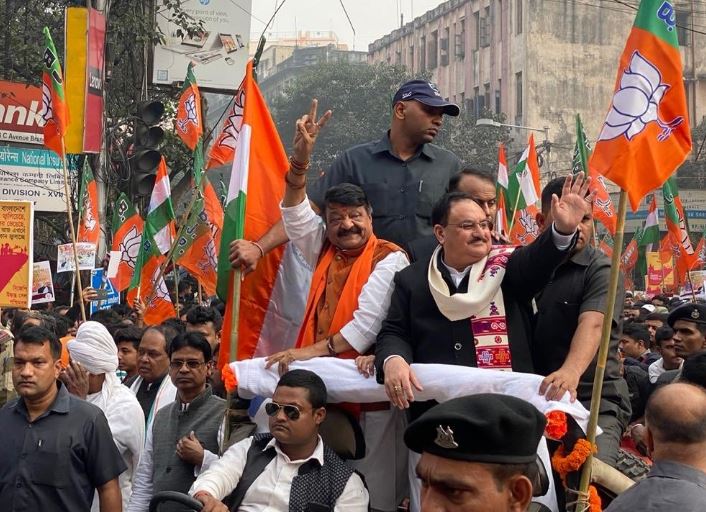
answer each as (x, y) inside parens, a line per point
(94, 349)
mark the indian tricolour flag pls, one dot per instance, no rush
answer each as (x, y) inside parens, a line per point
(161, 213)
(272, 298)
(650, 232)
(523, 197)
(501, 225)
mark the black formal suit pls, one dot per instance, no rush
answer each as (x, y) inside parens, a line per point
(416, 330)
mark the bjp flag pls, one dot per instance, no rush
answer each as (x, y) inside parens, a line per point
(646, 135)
(54, 111)
(188, 123)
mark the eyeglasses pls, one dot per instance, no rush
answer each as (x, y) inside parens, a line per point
(191, 364)
(470, 225)
(291, 411)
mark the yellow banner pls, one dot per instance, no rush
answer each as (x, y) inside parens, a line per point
(76, 34)
(16, 237)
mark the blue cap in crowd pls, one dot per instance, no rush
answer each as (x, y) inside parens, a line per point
(427, 93)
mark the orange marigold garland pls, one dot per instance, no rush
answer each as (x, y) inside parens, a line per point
(229, 378)
(594, 501)
(556, 425)
(565, 464)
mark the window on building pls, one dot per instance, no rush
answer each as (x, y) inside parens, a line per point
(460, 39)
(485, 28)
(499, 19)
(476, 27)
(486, 94)
(433, 49)
(518, 16)
(498, 104)
(444, 48)
(518, 94)
(423, 54)
(683, 27)
(398, 57)
(478, 102)
(410, 60)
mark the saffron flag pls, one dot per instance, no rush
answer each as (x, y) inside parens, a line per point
(685, 258)
(197, 247)
(523, 197)
(701, 251)
(54, 111)
(503, 179)
(89, 229)
(629, 257)
(127, 236)
(188, 123)
(223, 147)
(650, 230)
(606, 245)
(161, 213)
(665, 249)
(646, 135)
(148, 284)
(603, 210)
(271, 300)
(501, 225)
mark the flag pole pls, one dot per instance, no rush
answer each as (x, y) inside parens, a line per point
(67, 196)
(200, 293)
(514, 209)
(175, 269)
(603, 351)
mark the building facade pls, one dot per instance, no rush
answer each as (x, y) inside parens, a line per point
(540, 62)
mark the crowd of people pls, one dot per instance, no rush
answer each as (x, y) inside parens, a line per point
(406, 268)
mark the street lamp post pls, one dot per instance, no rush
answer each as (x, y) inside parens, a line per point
(496, 124)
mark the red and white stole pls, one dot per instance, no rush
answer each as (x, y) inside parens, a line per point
(482, 304)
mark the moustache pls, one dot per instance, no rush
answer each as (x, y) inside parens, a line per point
(478, 239)
(346, 232)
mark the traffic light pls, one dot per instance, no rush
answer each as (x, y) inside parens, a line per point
(145, 155)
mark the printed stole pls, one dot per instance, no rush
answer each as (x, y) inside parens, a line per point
(482, 304)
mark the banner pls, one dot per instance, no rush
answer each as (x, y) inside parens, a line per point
(42, 284)
(20, 108)
(107, 294)
(75, 30)
(32, 174)
(93, 117)
(16, 236)
(660, 276)
(65, 257)
(219, 53)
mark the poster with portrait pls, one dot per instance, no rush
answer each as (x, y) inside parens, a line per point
(42, 284)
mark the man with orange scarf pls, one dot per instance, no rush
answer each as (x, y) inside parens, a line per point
(350, 292)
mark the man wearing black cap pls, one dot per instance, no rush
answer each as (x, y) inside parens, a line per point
(402, 173)
(478, 453)
(689, 324)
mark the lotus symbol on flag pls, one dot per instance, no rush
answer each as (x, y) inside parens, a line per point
(130, 247)
(47, 109)
(529, 223)
(636, 102)
(190, 108)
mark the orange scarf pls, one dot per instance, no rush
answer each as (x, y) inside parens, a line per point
(347, 303)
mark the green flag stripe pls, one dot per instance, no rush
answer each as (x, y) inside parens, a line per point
(161, 216)
(659, 18)
(233, 228)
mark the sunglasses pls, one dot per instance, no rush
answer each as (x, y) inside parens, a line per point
(291, 411)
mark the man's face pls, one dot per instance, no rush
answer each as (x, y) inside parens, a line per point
(303, 429)
(208, 331)
(127, 357)
(631, 313)
(671, 360)
(687, 338)
(348, 227)
(451, 485)
(652, 326)
(35, 370)
(464, 247)
(631, 347)
(188, 370)
(482, 192)
(421, 122)
(152, 359)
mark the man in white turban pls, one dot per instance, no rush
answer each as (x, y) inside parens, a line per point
(91, 375)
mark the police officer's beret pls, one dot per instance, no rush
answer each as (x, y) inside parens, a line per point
(690, 312)
(486, 427)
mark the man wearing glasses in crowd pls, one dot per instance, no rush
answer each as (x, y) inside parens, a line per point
(190, 424)
(288, 469)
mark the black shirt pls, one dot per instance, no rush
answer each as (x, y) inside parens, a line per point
(401, 192)
(56, 462)
(146, 394)
(578, 285)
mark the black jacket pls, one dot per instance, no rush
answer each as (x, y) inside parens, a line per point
(416, 330)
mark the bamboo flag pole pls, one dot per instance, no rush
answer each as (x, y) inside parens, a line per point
(67, 196)
(514, 208)
(603, 351)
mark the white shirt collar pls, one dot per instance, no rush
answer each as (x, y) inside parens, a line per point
(456, 275)
(318, 453)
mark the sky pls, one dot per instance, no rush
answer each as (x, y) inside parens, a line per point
(371, 19)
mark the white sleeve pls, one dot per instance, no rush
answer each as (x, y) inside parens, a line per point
(208, 456)
(305, 229)
(373, 302)
(561, 242)
(223, 475)
(142, 480)
(354, 497)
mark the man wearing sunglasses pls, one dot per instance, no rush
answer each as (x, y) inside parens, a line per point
(288, 469)
(184, 437)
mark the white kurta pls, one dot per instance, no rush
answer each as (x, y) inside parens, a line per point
(165, 396)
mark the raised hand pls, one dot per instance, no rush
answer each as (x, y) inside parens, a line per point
(307, 130)
(568, 210)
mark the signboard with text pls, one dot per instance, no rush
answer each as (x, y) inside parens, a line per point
(20, 108)
(16, 237)
(34, 175)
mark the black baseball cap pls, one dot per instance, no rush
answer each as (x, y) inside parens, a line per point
(427, 93)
